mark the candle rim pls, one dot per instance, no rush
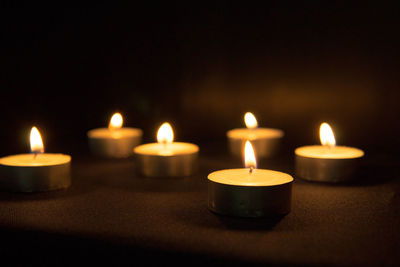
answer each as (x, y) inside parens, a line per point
(92, 133)
(288, 177)
(278, 133)
(298, 151)
(194, 149)
(65, 159)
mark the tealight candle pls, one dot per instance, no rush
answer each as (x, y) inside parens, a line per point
(35, 172)
(115, 141)
(328, 162)
(249, 192)
(265, 140)
(167, 158)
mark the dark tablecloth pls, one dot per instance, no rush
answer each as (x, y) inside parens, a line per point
(111, 215)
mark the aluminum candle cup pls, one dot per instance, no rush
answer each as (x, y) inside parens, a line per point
(249, 192)
(327, 163)
(324, 164)
(35, 172)
(167, 158)
(115, 143)
(265, 141)
(30, 173)
(174, 159)
(262, 193)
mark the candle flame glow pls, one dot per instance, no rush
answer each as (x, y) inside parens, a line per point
(249, 156)
(165, 133)
(250, 120)
(326, 135)
(116, 121)
(36, 141)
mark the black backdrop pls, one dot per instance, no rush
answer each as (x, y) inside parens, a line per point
(200, 67)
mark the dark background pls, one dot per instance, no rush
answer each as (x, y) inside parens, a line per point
(200, 67)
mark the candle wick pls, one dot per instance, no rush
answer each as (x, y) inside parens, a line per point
(251, 133)
(251, 170)
(164, 142)
(34, 155)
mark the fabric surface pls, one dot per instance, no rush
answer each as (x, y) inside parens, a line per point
(112, 215)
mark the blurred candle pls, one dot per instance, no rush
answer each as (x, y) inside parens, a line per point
(327, 162)
(166, 157)
(249, 192)
(35, 172)
(265, 140)
(115, 141)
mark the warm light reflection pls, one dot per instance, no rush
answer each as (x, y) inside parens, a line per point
(165, 134)
(250, 120)
(249, 156)
(116, 121)
(326, 135)
(36, 141)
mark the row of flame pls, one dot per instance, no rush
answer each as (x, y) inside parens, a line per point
(165, 135)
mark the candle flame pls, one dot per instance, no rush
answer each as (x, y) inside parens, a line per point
(165, 133)
(249, 156)
(36, 141)
(326, 135)
(116, 121)
(250, 120)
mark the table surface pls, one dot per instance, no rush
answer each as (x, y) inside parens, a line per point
(112, 215)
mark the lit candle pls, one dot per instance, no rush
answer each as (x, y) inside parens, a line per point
(35, 172)
(115, 141)
(328, 162)
(265, 140)
(249, 192)
(166, 157)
